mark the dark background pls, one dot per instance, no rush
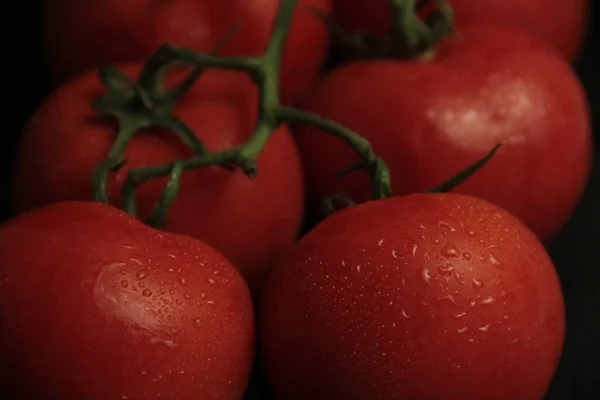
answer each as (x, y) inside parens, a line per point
(576, 252)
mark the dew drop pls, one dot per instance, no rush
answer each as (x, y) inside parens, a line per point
(210, 281)
(484, 328)
(161, 291)
(426, 275)
(404, 314)
(394, 254)
(380, 243)
(187, 296)
(358, 267)
(124, 284)
(197, 322)
(146, 292)
(142, 274)
(467, 256)
(414, 250)
(477, 283)
(182, 281)
(460, 315)
(494, 261)
(488, 300)
(471, 232)
(462, 330)
(445, 269)
(450, 251)
(458, 278)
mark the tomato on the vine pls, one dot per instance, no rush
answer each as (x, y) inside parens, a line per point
(96, 305)
(561, 23)
(81, 35)
(250, 221)
(435, 297)
(430, 118)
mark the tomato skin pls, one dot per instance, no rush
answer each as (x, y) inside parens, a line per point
(418, 297)
(250, 221)
(96, 305)
(561, 23)
(81, 35)
(431, 119)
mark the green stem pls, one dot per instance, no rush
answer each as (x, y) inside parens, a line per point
(156, 111)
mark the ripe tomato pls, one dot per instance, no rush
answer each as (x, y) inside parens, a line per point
(562, 23)
(430, 119)
(250, 221)
(433, 297)
(96, 305)
(80, 35)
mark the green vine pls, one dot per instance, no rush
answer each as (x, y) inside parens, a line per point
(143, 103)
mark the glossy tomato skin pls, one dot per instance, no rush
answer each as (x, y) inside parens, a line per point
(96, 305)
(81, 35)
(431, 119)
(250, 221)
(420, 297)
(561, 23)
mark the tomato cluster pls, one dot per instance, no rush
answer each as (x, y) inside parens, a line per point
(169, 240)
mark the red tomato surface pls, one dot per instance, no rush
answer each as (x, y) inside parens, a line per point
(96, 305)
(250, 221)
(423, 297)
(562, 23)
(431, 119)
(80, 35)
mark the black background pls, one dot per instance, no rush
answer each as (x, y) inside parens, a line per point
(576, 252)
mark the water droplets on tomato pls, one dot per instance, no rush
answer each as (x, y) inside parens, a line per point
(124, 284)
(142, 274)
(450, 251)
(147, 293)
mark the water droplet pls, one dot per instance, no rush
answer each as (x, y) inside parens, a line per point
(161, 291)
(477, 283)
(202, 296)
(414, 250)
(425, 274)
(343, 263)
(445, 269)
(447, 298)
(123, 272)
(182, 281)
(173, 256)
(435, 241)
(484, 328)
(458, 278)
(124, 284)
(494, 261)
(488, 300)
(171, 270)
(450, 251)
(210, 281)
(146, 292)
(187, 296)
(447, 225)
(506, 317)
(358, 268)
(467, 256)
(197, 322)
(471, 232)
(380, 243)
(142, 274)
(404, 314)
(460, 315)
(462, 330)
(394, 254)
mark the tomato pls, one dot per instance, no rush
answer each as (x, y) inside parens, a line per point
(419, 297)
(250, 221)
(432, 118)
(561, 23)
(96, 305)
(80, 35)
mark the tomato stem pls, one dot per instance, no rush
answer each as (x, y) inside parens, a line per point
(466, 173)
(144, 103)
(413, 34)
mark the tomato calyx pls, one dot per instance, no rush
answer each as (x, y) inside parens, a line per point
(124, 103)
(417, 26)
(329, 206)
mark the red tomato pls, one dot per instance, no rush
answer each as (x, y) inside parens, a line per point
(562, 23)
(96, 305)
(437, 297)
(250, 221)
(80, 35)
(430, 119)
